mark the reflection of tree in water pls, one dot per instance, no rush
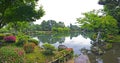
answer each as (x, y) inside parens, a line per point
(55, 37)
(74, 34)
(49, 38)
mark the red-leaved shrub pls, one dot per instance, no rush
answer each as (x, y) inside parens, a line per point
(9, 39)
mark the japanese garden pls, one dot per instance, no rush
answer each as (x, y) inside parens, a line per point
(96, 37)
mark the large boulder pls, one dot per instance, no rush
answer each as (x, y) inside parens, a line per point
(62, 47)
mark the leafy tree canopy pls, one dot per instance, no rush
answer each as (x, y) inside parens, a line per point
(49, 24)
(112, 7)
(92, 21)
(101, 25)
(19, 10)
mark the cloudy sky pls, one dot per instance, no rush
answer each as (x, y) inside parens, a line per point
(66, 10)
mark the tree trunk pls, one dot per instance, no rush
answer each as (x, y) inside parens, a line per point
(98, 36)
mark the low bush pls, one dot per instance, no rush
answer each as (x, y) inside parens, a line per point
(9, 54)
(29, 47)
(48, 49)
(33, 41)
(10, 39)
(21, 39)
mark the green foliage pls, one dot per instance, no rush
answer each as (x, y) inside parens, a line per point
(105, 24)
(74, 28)
(65, 29)
(17, 26)
(3, 30)
(21, 39)
(48, 49)
(36, 42)
(29, 47)
(10, 54)
(17, 10)
(48, 25)
(112, 7)
(92, 21)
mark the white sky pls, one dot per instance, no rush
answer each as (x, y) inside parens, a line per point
(66, 10)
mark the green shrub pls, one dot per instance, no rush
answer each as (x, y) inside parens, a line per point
(22, 39)
(29, 47)
(33, 41)
(9, 54)
(48, 49)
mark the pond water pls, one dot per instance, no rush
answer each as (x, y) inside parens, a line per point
(78, 43)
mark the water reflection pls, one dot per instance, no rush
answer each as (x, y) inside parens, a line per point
(71, 40)
(76, 43)
(80, 42)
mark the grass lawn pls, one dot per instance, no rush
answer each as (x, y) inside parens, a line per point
(37, 56)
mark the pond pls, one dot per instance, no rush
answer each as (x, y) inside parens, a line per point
(79, 43)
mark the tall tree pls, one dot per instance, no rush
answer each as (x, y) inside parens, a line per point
(112, 7)
(49, 24)
(19, 10)
(105, 24)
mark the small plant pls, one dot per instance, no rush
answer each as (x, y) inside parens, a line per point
(9, 54)
(29, 47)
(48, 49)
(33, 41)
(10, 39)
